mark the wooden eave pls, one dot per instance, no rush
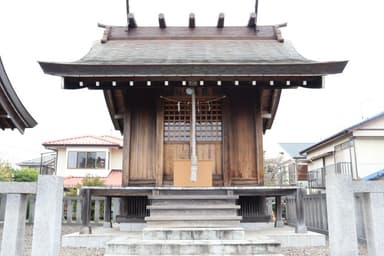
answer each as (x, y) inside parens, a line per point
(154, 57)
(13, 114)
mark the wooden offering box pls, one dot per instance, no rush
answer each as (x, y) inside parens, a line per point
(182, 173)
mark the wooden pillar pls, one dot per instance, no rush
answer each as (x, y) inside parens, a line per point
(159, 143)
(259, 139)
(126, 148)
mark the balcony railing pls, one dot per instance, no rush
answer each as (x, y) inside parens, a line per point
(316, 177)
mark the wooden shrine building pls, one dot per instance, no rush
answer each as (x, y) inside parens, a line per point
(181, 94)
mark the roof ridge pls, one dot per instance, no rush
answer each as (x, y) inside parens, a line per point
(70, 138)
(345, 130)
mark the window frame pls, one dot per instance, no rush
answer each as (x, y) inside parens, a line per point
(75, 159)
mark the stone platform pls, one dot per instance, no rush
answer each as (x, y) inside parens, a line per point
(286, 236)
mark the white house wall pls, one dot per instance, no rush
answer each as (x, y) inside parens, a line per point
(370, 155)
(61, 162)
(113, 161)
(116, 159)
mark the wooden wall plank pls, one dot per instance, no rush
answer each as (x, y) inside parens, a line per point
(159, 143)
(126, 148)
(226, 142)
(259, 139)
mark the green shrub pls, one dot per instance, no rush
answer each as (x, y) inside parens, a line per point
(92, 181)
(5, 171)
(25, 175)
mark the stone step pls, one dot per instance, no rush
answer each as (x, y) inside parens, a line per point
(192, 191)
(263, 254)
(193, 197)
(126, 246)
(193, 233)
(193, 218)
(194, 212)
(192, 207)
(193, 223)
(198, 201)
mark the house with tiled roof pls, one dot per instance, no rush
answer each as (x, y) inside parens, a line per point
(294, 167)
(356, 151)
(45, 164)
(97, 156)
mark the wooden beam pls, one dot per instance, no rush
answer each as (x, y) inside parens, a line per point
(192, 22)
(259, 139)
(127, 147)
(159, 143)
(162, 23)
(252, 20)
(220, 21)
(131, 21)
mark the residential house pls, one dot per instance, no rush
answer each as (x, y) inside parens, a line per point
(379, 175)
(294, 167)
(356, 151)
(78, 157)
(45, 164)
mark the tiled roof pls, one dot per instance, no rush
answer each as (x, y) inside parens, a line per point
(374, 176)
(46, 160)
(87, 140)
(293, 149)
(343, 132)
(113, 179)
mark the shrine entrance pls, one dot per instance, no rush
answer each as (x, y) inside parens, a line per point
(182, 134)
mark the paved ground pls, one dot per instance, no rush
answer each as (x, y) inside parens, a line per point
(312, 251)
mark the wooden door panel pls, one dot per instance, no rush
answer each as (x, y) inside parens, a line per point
(181, 151)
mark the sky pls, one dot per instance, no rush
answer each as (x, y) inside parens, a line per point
(58, 30)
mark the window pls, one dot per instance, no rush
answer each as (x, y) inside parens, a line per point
(177, 120)
(86, 160)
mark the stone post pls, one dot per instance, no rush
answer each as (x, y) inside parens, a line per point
(107, 212)
(279, 221)
(47, 224)
(12, 243)
(374, 222)
(300, 218)
(3, 201)
(31, 212)
(86, 212)
(341, 215)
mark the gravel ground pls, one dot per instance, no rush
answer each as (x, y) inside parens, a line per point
(311, 251)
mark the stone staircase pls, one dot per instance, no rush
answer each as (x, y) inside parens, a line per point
(192, 223)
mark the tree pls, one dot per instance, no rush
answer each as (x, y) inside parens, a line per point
(5, 171)
(272, 168)
(25, 175)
